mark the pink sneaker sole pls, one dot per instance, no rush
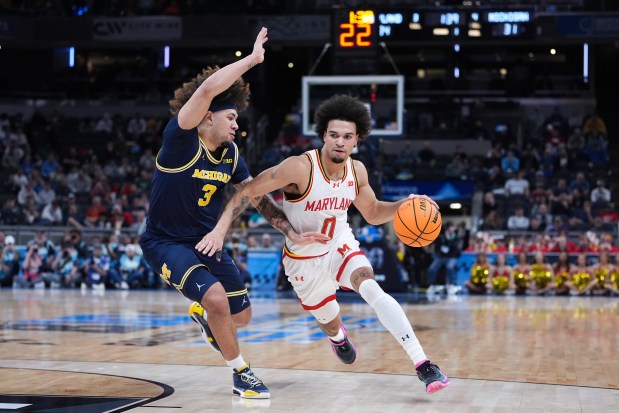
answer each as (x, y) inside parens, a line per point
(437, 385)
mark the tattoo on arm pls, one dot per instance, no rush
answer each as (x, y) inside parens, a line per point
(238, 210)
(274, 215)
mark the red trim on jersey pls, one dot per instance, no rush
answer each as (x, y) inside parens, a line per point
(322, 170)
(320, 304)
(341, 270)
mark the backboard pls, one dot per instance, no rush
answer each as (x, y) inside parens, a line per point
(383, 95)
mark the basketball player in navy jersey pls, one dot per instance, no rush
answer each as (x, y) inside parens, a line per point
(319, 186)
(197, 159)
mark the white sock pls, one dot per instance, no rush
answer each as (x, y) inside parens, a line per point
(393, 318)
(237, 364)
(339, 336)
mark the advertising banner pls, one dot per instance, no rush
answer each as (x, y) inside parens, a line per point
(137, 28)
(439, 191)
(263, 265)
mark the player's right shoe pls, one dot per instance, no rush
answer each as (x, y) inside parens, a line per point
(431, 375)
(247, 385)
(197, 314)
(345, 349)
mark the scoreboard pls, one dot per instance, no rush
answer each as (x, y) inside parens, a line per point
(359, 29)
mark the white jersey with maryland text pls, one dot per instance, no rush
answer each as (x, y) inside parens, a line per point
(323, 207)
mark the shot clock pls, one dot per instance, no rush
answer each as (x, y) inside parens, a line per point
(355, 32)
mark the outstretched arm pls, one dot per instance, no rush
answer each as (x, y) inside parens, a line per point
(291, 171)
(268, 209)
(376, 212)
(192, 113)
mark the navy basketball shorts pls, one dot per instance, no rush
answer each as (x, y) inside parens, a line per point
(192, 273)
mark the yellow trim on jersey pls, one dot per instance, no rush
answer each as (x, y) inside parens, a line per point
(237, 293)
(309, 186)
(180, 285)
(294, 256)
(354, 175)
(324, 175)
(182, 168)
(210, 157)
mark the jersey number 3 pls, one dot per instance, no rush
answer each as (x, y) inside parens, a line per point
(209, 190)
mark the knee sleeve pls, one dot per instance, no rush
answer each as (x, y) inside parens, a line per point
(327, 312)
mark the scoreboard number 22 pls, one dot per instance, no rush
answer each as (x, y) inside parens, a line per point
(357, 31)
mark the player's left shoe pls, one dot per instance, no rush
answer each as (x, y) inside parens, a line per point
(431, 375)
(197, 314)
(345, 349)
(248, 386)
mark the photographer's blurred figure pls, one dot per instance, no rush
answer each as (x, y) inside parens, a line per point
(46, 249)
(65, 268)
(31, 267)
(447, 249)
(131, 268)
(9, 262)
(97, 270)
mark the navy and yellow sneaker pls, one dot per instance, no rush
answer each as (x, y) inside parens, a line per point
(431, 375)
(247, 385)
(197, 314)
(345, 349)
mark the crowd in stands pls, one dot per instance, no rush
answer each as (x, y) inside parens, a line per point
(77, 173)
(111, 261)
(80, 173)
(95, 173)
(548, 195)
(85, 174)
(555, 182)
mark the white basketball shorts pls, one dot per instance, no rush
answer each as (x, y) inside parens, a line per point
(316, 279)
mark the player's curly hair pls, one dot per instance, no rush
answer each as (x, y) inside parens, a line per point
(343, 107)
(238, 93)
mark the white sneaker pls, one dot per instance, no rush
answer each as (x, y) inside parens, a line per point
(452, 289)
(124, 285)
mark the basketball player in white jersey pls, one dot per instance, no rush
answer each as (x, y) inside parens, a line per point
(319, 186)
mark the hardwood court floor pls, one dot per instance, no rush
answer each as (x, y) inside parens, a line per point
(139, 352)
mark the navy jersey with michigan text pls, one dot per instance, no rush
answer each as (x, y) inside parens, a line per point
(187, 188)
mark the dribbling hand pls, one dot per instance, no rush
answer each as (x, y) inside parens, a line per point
(427, 198)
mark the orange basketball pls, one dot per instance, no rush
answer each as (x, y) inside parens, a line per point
(417, 222)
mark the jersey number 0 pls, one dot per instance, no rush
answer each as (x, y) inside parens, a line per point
(328, 227)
